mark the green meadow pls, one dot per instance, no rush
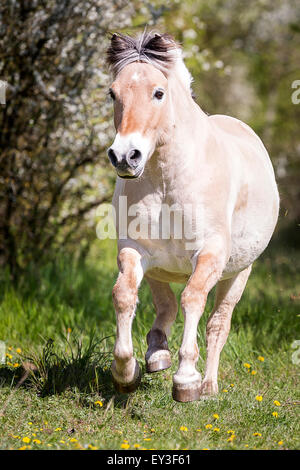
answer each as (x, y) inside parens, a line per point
(58, 326)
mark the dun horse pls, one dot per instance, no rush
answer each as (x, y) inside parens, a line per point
(215, 169)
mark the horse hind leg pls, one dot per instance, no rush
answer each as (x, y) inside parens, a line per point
(158, 356)
(228, 294)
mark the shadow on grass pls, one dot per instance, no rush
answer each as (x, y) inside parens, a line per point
(82, 370)
(11, 377)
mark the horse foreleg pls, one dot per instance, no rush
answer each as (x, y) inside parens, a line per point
(125, 369)
(158, 356)
(228, 294)
(208, 270)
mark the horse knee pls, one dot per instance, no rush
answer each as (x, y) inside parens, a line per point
(124, 296)
(192, 299)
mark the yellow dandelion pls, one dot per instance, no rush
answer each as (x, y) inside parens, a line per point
(152, 430)
(277, 403)
(183, 428)
(36, 441)
(9, 356)
(137, 446)
(73, 439)
(257, 434)
(24, 447)
(231, 385)
(16, 364)
(258, 398)
(225, 390)
(26, 440)
(253, 372)
(62, 441)
(30, 423)
(57, 429)
(216, 416)
(216, 429)
(261, 358)
(99, 403)
(125, 446)
(19, 350)
(275, 414)
(230, 431)
(147, 439)
(231, 438)
(280, 443)
(16, 437)
(199, 430)
(208, 426)
(92, 447)
(247, 365)
(33, 434)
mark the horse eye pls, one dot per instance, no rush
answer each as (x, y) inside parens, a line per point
(112, 95)
(158, 94)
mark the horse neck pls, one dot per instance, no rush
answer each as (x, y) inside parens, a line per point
(185, 128)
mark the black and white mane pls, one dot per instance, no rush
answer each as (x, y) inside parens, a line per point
(159, 50)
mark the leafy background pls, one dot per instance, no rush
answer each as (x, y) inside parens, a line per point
(57, 121)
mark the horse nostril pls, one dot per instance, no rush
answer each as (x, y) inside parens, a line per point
(134, 155)
(112, 156)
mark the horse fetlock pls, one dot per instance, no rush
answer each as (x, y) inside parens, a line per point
(157, 339)
(188, 353)
(209, 387)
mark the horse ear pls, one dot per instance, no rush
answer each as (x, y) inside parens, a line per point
(118, 44)
(162, 43)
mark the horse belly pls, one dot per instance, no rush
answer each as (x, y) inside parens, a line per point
(250, 235)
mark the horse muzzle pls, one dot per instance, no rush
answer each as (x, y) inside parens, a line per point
(127, 165)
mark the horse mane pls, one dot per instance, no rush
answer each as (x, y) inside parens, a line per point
(160, 50)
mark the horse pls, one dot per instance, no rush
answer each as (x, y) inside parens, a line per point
(168, 152)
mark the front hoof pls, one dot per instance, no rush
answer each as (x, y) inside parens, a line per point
(209, 388)
(159, 360)
(126, 387)
(187, 391)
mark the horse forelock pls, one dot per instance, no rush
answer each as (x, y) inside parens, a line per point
(160, 50)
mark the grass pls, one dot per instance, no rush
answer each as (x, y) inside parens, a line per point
(58, 326)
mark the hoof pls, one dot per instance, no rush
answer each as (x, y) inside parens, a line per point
(160, 360)
(185, 392)
(130, 387)
(159, 364)
(209, 388)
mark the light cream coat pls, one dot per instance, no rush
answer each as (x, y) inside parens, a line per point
(216, 164)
